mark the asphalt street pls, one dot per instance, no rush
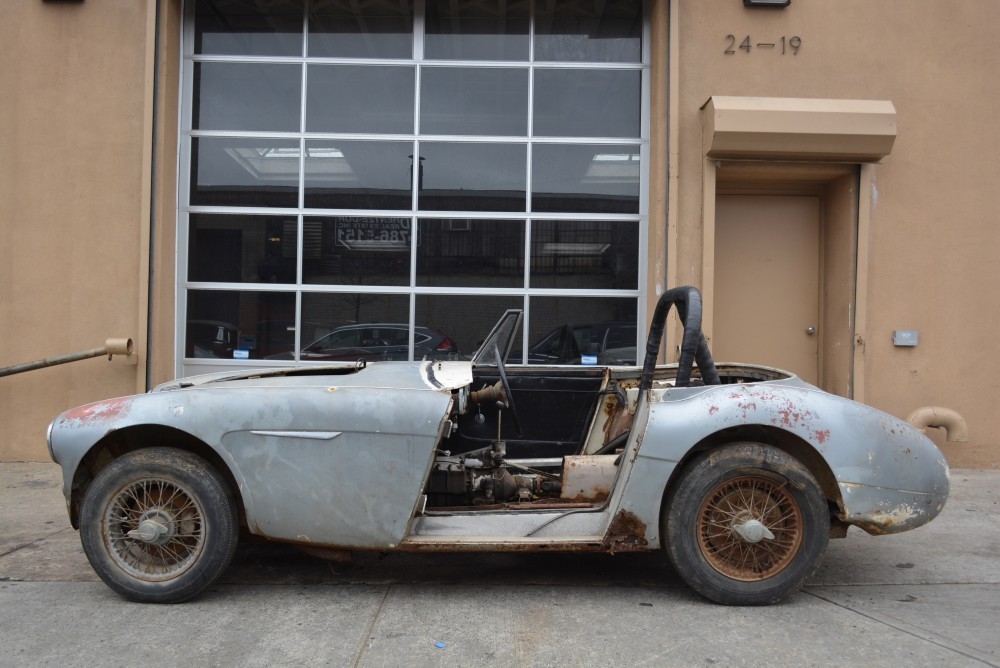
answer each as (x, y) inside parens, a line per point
(930, 597)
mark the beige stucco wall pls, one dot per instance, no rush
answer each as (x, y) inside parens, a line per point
(74, 187)
(932, 236)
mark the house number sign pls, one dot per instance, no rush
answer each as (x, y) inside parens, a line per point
(785, 45)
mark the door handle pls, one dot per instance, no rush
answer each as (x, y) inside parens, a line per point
(810, 330)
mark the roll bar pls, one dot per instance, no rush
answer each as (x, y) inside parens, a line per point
(694, 345)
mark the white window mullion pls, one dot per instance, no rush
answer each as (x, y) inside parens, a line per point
(297, 350)
(419, 26)
(305, 29)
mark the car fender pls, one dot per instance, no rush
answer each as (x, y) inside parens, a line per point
(889, 475)
(303, 458)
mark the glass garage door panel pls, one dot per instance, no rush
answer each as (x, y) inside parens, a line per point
(591, 254)
(472, 177)
(585, 178)
(229, 171)
(582, 31)
(354, 326)
(360, 29)
(247, 96)
(356, 250)
(587, 103)
(464, 319)
(231, 324)
(471, 253)
(248, 27)
(474, 101)
(363, 179)
(580, 330)
(477, 30)
(360, 98)
(242, 248)
(352, 174)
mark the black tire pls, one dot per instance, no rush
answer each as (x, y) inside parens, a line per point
(182, 518)
(746, 524)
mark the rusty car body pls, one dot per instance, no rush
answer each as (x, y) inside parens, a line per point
(739, 473)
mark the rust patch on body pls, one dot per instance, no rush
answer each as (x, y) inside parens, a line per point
(101, 412)
(618, 421)
(597, 495)
(627, 533)
(792, 416)
(822, 435)
(785, 411)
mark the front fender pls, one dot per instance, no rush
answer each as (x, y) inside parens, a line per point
(317, 463)
(76, 432)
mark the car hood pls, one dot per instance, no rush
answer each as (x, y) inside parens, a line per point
(433, 375)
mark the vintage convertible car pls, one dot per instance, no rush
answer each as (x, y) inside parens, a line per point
(739, 473)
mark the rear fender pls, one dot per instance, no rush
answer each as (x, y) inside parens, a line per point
(888, 476)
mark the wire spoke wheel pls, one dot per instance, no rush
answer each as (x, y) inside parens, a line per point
(750, 528)
(159, 525)
(154, 528)
(745, 524)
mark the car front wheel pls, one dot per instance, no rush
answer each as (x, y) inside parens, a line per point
(746, 524)
(159, 525)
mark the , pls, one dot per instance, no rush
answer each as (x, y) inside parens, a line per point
(739, 474)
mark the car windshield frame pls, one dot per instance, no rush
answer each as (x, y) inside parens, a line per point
(500, 338)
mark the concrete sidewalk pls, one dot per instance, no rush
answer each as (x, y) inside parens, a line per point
(928, 597)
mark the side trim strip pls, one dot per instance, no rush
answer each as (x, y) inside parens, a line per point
(308, 435)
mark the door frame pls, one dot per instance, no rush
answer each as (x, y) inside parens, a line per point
(845, 218)
(806, 132)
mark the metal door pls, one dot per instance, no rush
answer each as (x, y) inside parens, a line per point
(766, 298)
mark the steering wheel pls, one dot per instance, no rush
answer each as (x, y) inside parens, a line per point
(507, 392)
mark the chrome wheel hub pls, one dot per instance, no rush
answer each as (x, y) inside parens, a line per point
(154, 528)
(752, 531)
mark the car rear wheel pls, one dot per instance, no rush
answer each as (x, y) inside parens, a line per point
(159, 525)
(746, 524)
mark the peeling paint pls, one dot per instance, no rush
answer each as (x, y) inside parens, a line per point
(882, 510)
(101, 412)
(787, 413)
(890, 520)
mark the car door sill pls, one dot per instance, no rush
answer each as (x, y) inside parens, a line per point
(503, 543)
